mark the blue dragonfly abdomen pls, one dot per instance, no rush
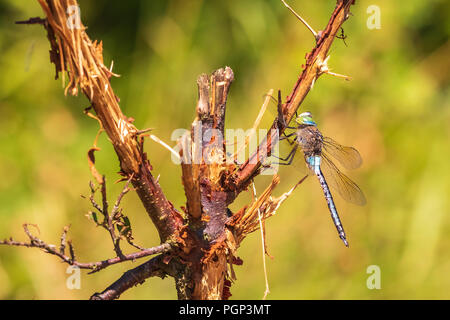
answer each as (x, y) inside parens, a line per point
(314, 165)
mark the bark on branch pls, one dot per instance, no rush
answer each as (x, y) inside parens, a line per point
(83, 61)
(153, 268)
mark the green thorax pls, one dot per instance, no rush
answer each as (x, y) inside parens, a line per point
(308, 135)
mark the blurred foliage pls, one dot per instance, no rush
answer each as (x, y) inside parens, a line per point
(395, 111)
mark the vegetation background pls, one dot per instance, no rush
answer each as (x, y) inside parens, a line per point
(395, 111)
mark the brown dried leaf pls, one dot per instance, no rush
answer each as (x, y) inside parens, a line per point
(91, 162)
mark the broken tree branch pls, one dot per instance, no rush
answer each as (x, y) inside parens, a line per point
(83, 61)
(153, 268)
(70, 259)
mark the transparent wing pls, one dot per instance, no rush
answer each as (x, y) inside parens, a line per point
(348, 157)
(348, 190)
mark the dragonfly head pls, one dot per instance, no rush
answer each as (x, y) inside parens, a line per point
(305, 118)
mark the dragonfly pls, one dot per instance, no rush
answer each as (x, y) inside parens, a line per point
(318, 152)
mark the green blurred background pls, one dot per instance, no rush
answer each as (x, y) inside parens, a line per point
(395, 111)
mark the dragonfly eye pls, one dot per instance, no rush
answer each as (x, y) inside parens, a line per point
(305, 118)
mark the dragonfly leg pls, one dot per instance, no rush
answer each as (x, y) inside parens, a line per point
(287, 136)
(288, 159)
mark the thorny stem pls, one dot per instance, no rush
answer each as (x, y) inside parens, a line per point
(315, 34)
(74, 53)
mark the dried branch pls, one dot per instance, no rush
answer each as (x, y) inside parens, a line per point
(152, 268)
(74, 52)
(62, 247)
(35, 20)
(202, 179)
(70, 259)
(110, 222)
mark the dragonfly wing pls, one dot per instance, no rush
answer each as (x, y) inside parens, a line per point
(348, 157)
(348, 190)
